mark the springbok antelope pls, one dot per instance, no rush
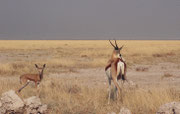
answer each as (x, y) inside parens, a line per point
(115, 69)
(36, 78)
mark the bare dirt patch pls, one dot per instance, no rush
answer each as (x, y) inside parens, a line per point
(148, 75)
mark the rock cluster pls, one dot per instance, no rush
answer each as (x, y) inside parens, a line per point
(10, 102)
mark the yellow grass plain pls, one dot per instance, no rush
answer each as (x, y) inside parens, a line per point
(19, 56)
(68, 96)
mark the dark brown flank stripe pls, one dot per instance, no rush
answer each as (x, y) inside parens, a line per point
(107, 67)
(116, 64)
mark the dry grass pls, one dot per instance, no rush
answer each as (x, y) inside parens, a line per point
(166, 75)
(69, 97)
(141, 69)
(18, 57)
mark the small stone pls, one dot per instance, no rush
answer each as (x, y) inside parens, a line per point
(111, 113)
(125, 111)
(169, 108)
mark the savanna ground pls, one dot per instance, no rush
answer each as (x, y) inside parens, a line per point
(74, 79)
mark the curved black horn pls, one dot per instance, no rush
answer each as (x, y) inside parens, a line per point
(116, 44)
(121, 47)
(112, 44)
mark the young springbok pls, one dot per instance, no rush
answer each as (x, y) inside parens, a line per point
(116, 69)
(36, 78)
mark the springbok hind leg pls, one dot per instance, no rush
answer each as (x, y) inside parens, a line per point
(119, 89)
(116, 90)
(109, 97)
(23, 86)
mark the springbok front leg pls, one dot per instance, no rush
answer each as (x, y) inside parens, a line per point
(114, 74)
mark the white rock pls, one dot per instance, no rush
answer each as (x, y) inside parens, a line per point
(10, 101)
(43, 109)
(125, 111)
(2, 110)
(169, 108)
(34, 106)
(33, 102)
(0, 104)
(31, 111)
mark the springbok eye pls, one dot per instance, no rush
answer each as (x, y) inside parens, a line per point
(120, 55)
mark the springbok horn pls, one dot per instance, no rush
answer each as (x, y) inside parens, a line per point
(116, 44)
(112, 44)
(121, 47)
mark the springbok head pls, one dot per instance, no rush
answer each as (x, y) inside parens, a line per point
(116, 51)
(40, 69)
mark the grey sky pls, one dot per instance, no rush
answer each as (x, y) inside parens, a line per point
(89, 19)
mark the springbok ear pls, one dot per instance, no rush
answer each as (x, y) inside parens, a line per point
(44, 65)
(36, 66)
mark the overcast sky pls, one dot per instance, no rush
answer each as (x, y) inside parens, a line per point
(90, 19)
